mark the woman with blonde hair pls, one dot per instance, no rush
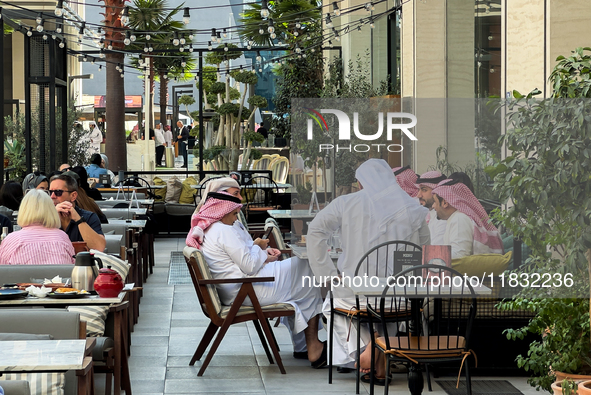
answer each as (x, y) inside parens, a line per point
(40, 241)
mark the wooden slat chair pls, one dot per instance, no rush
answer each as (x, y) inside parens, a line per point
(279, 168)
(379, 262)
(223, 316)
(446, 331)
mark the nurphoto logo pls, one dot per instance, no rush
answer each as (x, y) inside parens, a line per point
(394, 121)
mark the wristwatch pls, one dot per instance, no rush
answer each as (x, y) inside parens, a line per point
(81, 220)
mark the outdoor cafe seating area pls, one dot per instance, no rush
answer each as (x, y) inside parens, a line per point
(157, 333)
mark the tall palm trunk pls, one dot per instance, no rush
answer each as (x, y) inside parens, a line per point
(115, 146)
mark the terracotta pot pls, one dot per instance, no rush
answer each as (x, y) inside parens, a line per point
(6, 162)
(584, 388)
(557, 388)
(560, 376)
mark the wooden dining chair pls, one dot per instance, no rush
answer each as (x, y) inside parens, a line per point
(222, 317)
(379, 261)
(436, 332)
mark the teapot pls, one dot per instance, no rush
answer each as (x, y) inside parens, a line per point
(109, 283)
(85, 271)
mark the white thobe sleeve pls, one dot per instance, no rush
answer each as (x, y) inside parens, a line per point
(320, 230)
(424, 234)
(250, 259)
(459, 235)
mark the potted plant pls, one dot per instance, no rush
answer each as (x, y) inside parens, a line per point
(546, 178)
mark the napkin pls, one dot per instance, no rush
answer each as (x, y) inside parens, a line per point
(55, 280)
(38, 292)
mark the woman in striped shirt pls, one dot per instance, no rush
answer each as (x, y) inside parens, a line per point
(40, 241)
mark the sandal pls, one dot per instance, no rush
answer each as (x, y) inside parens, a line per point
(322, 361)
(376, 380)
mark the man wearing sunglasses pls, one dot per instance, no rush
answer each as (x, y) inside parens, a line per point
(80, 225)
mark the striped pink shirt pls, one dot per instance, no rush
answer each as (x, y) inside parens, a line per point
(36, 245)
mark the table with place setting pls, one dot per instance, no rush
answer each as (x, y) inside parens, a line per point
(10, 298)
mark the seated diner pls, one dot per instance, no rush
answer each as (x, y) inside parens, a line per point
(40, 241)
(231, 253)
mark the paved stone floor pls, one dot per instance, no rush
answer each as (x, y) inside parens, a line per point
(171, 325)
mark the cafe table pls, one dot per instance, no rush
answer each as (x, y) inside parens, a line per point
(415, 294)
(41, 356)
(116, 306)
(292, 214)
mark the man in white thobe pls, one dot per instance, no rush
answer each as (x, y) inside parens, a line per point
(160, 144)
(96, 138)
(381, 211)
(468, 229)
(426, 182)
(231, 253)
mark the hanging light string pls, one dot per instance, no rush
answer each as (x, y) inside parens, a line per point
(91, 34)
(323, 39)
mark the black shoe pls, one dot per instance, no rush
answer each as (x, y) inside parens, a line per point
(341, 369)
(323, 360)
(300, 354)
(377, 381)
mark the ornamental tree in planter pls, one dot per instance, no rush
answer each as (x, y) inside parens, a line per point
(547, 178)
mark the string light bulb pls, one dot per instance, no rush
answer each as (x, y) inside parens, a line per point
(336, 34)
(328, 21)
(175, 40)
(183, 63)
(81, 31)
(44, 37)
(191, 48)
(100, 67)
(125, 16)
(191, 36)
(259, 57)
(273, 36)
(335, 9)
(261, 30)
(127, 41)
(29, 33)
(298, 49)
(39, 27)
(264, 9)
(182, 40)
(39, 19)
(226, 47)
(59, 8)
(102, 54)
(132, 37)
(224, 33)
(298, 25)
(186, 16)
(110, 46)
(62, 43)
(372, 24)
(271, 28)
(58, 28)
(209, 46)
(213, 35)
(148, 37)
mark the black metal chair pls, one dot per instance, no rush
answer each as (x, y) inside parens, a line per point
(380, 261)
(436, 332)
(260, 196)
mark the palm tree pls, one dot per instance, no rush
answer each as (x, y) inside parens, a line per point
(115, 147)
(149, 17)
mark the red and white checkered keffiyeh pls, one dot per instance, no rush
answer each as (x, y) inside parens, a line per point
(212, 211)
(406, 179)
(486, 235)
(430, 179)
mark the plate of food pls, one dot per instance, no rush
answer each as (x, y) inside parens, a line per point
(12, 293)
(68, 293)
